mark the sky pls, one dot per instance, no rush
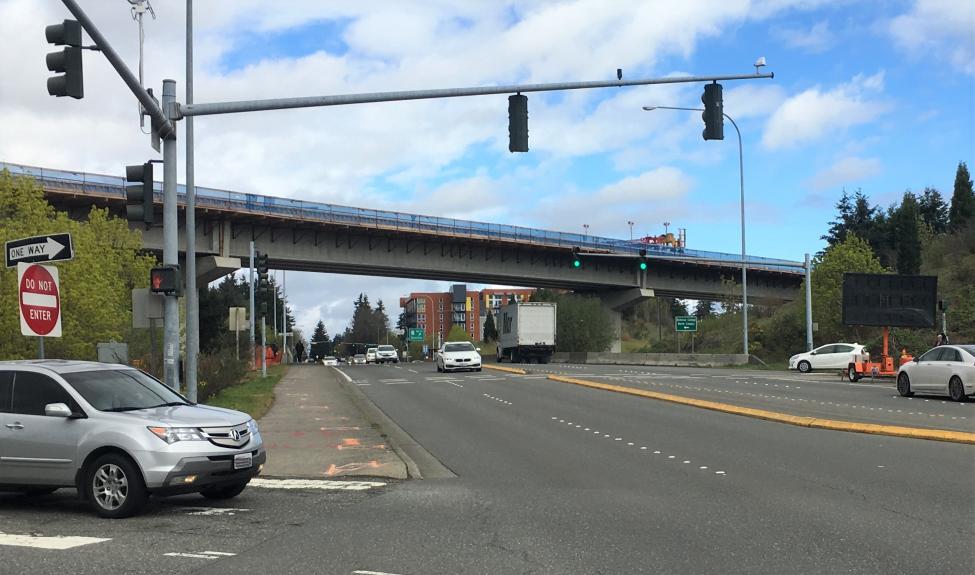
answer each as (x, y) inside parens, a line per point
(877, 95)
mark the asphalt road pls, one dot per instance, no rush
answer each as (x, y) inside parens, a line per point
(557, 478)
(823, 395)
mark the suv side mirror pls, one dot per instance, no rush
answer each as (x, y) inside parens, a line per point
(477, 349)
(812, 353)
(57, 410)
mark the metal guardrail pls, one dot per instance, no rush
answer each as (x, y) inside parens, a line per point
(361, 217)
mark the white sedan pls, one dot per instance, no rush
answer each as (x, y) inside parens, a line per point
(832, 356)
(945, 369)
(330, 360)
(457, 355)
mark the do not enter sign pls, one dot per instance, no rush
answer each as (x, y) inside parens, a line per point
(40, 300)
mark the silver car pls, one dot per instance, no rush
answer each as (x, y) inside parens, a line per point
(117, 435)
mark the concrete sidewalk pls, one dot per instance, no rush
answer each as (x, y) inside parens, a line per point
(315, 429)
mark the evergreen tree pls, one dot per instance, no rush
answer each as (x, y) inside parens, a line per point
(933, 210)
(838, 227)
(490, 330)
(904, 222)
(362, 329)
(704, 309)
(677, 307)
(962, 211)
(319, 341)
(380, 322)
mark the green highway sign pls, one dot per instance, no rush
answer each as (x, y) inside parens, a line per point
(686, 323)
(415, 334)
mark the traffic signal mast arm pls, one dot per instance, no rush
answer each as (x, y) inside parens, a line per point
(344, 99)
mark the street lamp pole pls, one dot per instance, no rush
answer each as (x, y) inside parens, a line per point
(631, 230)
(741, 176)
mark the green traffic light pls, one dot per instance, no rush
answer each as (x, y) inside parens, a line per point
(576, 264)
(643, 265)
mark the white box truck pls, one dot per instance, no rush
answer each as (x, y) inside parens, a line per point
(526, 332)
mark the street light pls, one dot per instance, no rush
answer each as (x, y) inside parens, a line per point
(741, 176)
(631, 230)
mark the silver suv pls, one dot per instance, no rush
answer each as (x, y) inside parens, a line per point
(117, 435)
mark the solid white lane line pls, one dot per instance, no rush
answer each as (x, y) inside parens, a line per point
(52, 542)
(191, 555)
(360, 572)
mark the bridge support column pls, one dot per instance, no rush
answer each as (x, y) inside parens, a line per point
(614, 302)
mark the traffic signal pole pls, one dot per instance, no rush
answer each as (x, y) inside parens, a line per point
(192, 295)
(170, 244)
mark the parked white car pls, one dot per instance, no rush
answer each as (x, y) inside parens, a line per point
(330, 360)
(830, 356)
(946, 369)
(371, 355)
(457, 355)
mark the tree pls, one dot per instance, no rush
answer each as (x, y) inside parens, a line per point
(677, 307)
(838, 227)
(96, 286)
(490, 330)
(704, 309)
(319, 341)
(380, 322)
(933, 210)
(582, 323)
(904, 224)
(962, 211)
(458, 333)
(362, 329)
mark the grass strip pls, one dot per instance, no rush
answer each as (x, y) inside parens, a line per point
(254, 395)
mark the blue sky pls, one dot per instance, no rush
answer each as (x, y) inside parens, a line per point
(871, 95)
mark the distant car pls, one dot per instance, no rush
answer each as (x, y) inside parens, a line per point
(458, 355)
(359, 358)
(946, 369)
(385, 354)
(831, 356)
(371, 355)
(330, 360)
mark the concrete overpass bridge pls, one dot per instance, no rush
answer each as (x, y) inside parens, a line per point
(318, 237)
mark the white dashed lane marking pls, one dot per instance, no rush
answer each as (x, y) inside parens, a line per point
(574, 425)
(498, 399)
(201, 555)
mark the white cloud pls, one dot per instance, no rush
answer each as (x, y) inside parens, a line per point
(934, 30)
(815, 40)
(814, 114)
(845, 171)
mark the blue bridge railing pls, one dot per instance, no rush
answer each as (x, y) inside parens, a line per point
(362, 217)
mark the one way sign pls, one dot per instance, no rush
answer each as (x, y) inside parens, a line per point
(52, 247)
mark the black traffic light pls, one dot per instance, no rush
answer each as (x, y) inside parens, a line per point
(643, 260)
(576, 260)
(262, 270)
(138, 193)
(517, 123)
(713, 114)
(67, 62)
(165, 280)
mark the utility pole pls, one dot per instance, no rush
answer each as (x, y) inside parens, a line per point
(809, 322)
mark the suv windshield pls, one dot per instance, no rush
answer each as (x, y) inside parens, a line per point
(458, 347)
(386, 348)
(122, 390)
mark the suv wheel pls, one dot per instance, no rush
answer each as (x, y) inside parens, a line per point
(113, 486)
(804, 366)
(956, 390)
(224, 491)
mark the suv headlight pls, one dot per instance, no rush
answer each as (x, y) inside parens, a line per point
(173, 434)
(252, 426)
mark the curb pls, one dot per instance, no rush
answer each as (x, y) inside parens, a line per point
(519, 371)
(402, 443)
(801, 421)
